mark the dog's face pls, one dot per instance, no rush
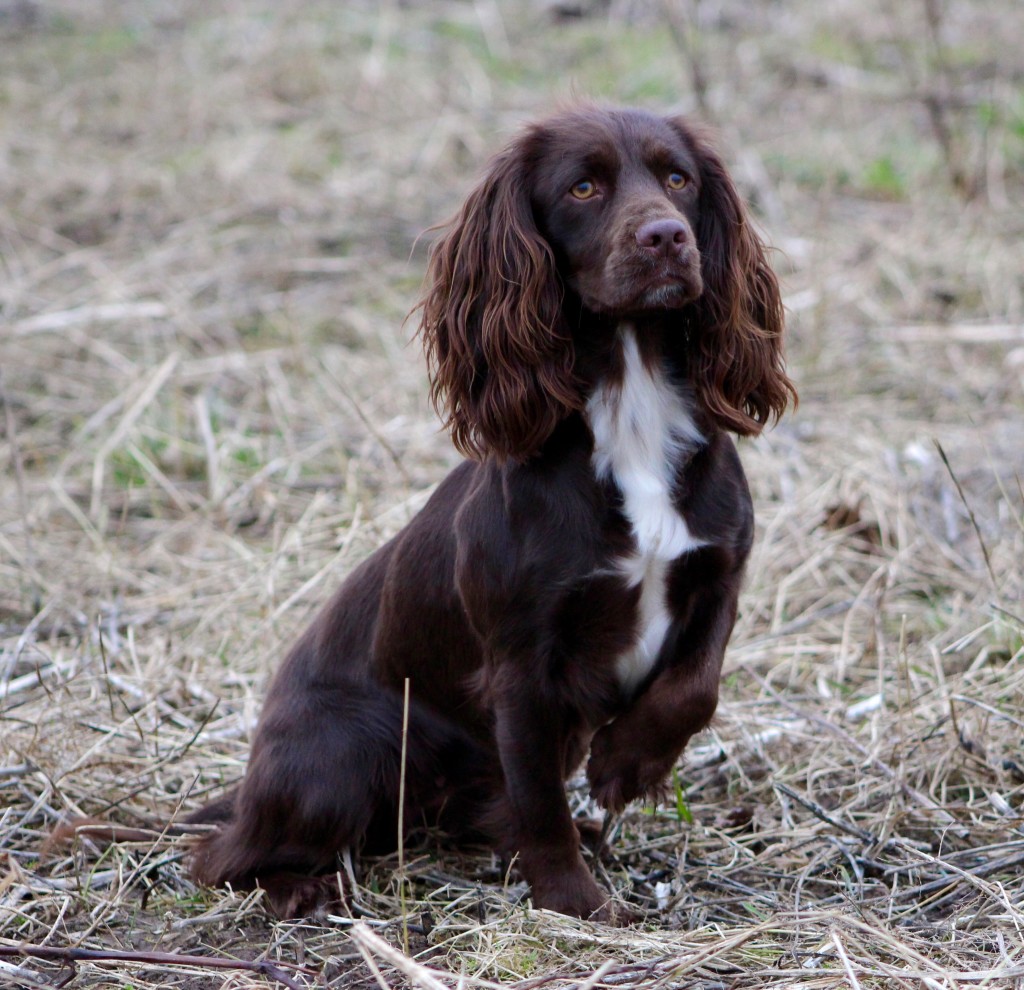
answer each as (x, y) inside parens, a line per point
(633, 216)
(616, 195)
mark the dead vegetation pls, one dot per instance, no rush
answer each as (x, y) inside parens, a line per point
(208, 224)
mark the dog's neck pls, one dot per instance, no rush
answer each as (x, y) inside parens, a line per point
(644, 431)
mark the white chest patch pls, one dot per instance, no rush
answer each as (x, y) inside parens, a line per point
(642, 427)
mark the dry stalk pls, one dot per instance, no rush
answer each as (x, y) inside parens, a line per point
(76, 954)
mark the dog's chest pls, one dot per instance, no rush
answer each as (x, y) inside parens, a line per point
(642, 429)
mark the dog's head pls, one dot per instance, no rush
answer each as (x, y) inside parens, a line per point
(628, 215)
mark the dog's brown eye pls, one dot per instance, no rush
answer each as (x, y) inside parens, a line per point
(583, 189)
(676, 180)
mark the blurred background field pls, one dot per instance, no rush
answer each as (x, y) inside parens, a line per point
(212, 223)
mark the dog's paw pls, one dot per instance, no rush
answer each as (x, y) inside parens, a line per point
(577, 894)
(619, 775)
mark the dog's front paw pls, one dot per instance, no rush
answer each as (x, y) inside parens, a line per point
(618, 774)
(577, 895)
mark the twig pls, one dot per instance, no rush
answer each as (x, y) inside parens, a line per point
(148, 394)
(84, 315)
(369, 941)
(401, 819)
(987, 708)
(970, 515)
(845, 960)
(961, 333)
(346, 394)
(819, 812)
(948, 883)
(937, 106)
(73, 954)
(598, 975)
(683, 25)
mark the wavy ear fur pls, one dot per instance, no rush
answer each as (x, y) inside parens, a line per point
(736, 347)
(500, 358)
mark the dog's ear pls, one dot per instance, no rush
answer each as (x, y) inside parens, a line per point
(500, 357)
(736, 351)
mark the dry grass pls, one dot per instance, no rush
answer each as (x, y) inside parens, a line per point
(207, 220)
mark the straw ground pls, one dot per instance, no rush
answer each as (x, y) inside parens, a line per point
(210, 412)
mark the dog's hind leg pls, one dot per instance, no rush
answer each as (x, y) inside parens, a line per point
(324, 776)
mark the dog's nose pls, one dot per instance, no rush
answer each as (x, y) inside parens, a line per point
(663, 237)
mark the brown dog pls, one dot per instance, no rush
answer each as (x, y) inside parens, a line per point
(597, 318)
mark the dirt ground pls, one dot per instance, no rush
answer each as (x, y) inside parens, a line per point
(210, 234)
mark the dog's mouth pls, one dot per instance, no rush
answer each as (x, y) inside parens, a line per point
(639, 285)
(670, 292)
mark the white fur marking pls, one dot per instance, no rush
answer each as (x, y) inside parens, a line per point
(653, 621)
(642, 428)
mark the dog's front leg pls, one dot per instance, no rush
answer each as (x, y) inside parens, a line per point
(532, 744)
(632, 755)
